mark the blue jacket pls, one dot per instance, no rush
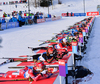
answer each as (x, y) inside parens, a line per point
(3, 21)
(21, 19)
(10, 20)
(14, 19)
(0, 21)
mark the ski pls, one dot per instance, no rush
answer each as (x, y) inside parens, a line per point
(12, 60)
(29, 55)
(23, 67)
(37, 48)
(47, 66)
(48, 41)
(43, 42)
(26, 56)
(5, 62)
(17, 67)
(15, 79)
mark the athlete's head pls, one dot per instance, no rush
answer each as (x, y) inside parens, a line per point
(40, 65)
(26, 68)
(64, 40)
(50, 50)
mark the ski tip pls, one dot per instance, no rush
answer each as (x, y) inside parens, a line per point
(30, 47)
(40, 44)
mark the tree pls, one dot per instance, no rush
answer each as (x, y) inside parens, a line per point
(45, 3)
(59, 2)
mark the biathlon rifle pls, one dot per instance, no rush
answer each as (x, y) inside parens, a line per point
(48, 41)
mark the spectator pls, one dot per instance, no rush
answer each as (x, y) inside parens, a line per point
(24, 14)
(10, 20)
(38, 17)
(0, 21)
(41, 17)
(16, 6)
(4, 14)
(35, 19)
(67, 14)
(8, 15)
(0, 24)
(20, 12)
(21, 20)
(3, 20)
(71, 14)
(14, 19)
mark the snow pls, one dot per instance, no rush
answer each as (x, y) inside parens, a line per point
(74, 6)
(17, 40)
(92, 59)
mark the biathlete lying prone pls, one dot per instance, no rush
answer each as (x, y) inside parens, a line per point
(51, 53)
(32, 73)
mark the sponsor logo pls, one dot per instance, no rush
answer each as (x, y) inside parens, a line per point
(74, 43)
(40, 20)
(62, 62)
(92, 13)
(64, 14)
(80, 35)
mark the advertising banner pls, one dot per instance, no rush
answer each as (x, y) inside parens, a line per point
(81, 38)
(13, 24)
(83, 32)
(92, 13)
(56, 18)
(79, 14)
(63, 14)
(74, 47)
(3, 26)
(48, 19)
(40, 20)
(63, 68)
(9, 25)
(16, 24)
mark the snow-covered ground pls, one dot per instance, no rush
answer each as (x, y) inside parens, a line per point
(92, 59)
(16, 40)
(75, 6)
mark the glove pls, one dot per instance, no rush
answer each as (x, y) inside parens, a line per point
(54, 70)
(44, 72)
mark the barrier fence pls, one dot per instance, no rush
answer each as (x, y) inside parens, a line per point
(81, 14)
(9, 25)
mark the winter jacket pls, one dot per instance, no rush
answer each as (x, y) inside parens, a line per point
(14, 19)
(21, 19)
(10, 20)
(3, 21)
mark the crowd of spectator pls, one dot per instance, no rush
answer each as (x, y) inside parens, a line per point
(13, 2)
(23, 18)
